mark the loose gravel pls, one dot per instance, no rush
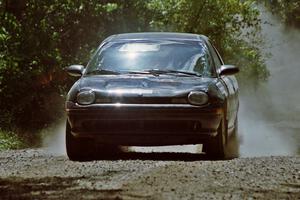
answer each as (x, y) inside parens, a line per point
(37, 174)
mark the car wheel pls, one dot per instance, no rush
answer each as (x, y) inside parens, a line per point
(78, 149)
(215, 147)
(218, 148)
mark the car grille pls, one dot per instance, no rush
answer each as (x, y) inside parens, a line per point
(142, 100)
(142, 126)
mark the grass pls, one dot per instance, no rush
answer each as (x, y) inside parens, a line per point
(10, 140)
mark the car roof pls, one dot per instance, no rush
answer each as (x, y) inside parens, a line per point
(157, 35)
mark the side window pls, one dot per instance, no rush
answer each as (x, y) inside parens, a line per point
(217, 60)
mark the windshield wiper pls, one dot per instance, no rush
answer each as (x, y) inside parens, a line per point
(154, 72)
(103, 71)
(142, 72)
(160, 71)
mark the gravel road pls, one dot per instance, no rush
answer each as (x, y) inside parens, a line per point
(36, 174)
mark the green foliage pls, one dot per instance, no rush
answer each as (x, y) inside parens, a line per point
(288, 11)
(38, 39)
(9, 140)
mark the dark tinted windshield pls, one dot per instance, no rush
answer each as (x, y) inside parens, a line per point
(136, 56)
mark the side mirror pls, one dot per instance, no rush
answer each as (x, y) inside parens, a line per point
(227, 70)
(75, 70)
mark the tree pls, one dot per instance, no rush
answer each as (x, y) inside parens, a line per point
(288, 11)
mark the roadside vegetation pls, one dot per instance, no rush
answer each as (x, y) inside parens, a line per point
(10, 140)
(38, 39)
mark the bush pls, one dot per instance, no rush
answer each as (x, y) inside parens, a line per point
(10, 140)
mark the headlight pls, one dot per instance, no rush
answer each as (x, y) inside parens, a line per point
(198, 98)
(86, 97)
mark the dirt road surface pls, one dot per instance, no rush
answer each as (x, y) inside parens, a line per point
(36, 174)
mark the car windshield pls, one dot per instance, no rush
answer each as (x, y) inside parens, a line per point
(174, 57)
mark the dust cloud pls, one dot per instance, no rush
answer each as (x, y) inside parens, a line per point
(269, 117)
(53, 138)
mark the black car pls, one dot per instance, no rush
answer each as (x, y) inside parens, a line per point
(153, 89)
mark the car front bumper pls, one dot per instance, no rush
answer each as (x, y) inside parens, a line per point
(144, 124)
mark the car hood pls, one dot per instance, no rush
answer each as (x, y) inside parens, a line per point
(144, 85)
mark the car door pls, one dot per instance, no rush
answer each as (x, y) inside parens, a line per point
(231, 86)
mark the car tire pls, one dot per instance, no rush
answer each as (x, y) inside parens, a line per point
(78, 149)
(218, 148)
(214, 147)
